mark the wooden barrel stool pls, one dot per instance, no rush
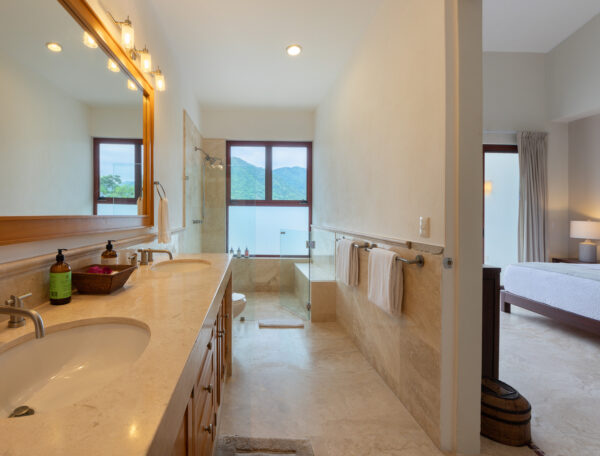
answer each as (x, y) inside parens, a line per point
(505, 414)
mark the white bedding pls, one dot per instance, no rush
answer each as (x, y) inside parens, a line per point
(571, 287)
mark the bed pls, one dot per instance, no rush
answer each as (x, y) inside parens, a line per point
(568, 293)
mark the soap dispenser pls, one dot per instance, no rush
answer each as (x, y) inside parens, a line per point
(109, 256)
(60, 280)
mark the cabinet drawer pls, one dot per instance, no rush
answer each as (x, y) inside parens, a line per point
(206, 429)
(205, 387)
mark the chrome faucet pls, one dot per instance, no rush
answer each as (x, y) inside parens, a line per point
(15, 308)
(147, 257)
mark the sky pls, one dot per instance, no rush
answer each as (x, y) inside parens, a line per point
(283, 157)
(118, 159)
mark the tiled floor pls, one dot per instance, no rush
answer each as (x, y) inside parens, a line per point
(558, 370)
(314, 383)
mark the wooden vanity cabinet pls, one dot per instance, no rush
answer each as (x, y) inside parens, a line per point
(198, 428)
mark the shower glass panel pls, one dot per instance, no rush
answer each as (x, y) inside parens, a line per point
(294, 289)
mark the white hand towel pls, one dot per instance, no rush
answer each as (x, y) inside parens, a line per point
(140, 206)
(346, 258)
(385, 280)
(164, 229)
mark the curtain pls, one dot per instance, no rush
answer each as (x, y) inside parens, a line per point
(533, 183)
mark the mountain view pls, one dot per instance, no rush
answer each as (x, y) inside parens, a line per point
(248, 182)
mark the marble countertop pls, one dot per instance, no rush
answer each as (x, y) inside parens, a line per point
(123, 416)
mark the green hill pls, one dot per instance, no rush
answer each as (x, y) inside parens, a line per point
(248, 182)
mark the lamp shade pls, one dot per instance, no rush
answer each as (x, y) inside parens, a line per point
(585, 229)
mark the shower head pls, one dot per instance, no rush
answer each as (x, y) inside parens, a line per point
(213, 162)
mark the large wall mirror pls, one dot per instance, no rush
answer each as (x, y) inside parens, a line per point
(76, 125)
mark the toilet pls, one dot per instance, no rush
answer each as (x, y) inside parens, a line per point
(238, 303)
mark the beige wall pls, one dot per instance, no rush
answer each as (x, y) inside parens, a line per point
(584, 173)
(379, 140)
(573, 69)
(399, 137)
(192, 237)
(117, 122)
(215, 216)
(258, 124)
(45, 147)
(168, 134)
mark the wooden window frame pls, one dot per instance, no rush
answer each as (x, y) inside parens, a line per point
(268, 201)
(138, 144)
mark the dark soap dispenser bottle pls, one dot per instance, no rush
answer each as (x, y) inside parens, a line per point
(109, 256)
(60, 280)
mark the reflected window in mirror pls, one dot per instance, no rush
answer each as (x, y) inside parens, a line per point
(118, 165)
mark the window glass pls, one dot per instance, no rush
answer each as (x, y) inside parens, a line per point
(259, 229)
(289, 173)
(501, 218)
(117, 170)
(248, 173)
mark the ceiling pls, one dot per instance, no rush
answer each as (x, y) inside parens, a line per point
(234, 50)
(533, 25)
(77, 70)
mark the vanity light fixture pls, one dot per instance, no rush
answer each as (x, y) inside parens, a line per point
(131, 85)
(54, 47)
(293, 50)
(145, 60)
(127, 34)
(89, 41)
(112, 66)
(159, 80)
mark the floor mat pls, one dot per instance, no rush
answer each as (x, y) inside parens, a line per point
(281, 323)
(233, 445)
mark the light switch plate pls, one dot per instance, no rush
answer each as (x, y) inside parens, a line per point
(424, 227)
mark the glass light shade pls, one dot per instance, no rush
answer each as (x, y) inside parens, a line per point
(585, 229)
(159, 80)
(89, 41)
(131, 85)
(112, 66)
(127, 36)
(146, 61)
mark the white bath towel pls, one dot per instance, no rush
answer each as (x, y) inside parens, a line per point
(385, 280)
(346, 262)
(164, 229)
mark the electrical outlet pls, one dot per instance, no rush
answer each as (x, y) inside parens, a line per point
(424, 227)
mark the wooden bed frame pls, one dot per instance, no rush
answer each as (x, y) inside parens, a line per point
(563, 316)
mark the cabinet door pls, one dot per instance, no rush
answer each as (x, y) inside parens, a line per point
(184, 443)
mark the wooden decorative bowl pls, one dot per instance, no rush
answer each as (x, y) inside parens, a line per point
(91, 283)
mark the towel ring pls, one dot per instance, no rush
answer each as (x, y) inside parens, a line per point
(159, 187)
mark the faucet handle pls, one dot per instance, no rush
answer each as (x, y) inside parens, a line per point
(15, 301)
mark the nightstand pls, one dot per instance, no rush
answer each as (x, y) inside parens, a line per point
(569, 260)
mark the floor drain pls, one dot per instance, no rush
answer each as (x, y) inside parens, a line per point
(23, 410)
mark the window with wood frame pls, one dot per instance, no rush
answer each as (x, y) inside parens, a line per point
(269, 197)
(117, 175)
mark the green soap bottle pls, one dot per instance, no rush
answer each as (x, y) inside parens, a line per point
(60, 280)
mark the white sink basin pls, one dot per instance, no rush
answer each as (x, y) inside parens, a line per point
(67, 365)
(182, 265)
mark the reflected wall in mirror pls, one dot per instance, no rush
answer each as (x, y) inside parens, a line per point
(71, 127)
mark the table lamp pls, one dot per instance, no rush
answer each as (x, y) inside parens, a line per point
(587, 230)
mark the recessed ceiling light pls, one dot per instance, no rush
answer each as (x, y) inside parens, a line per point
(89, 41)
(54, 47)
(293, 50)
(112, 66)
(131, 85)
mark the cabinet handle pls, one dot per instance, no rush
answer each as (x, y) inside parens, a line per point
(209, 428)
(209, 345)
(221, 333)
(208, 388)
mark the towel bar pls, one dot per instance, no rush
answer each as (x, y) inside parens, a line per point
(419, 259)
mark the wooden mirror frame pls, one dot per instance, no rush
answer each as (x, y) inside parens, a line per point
(19, 229)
